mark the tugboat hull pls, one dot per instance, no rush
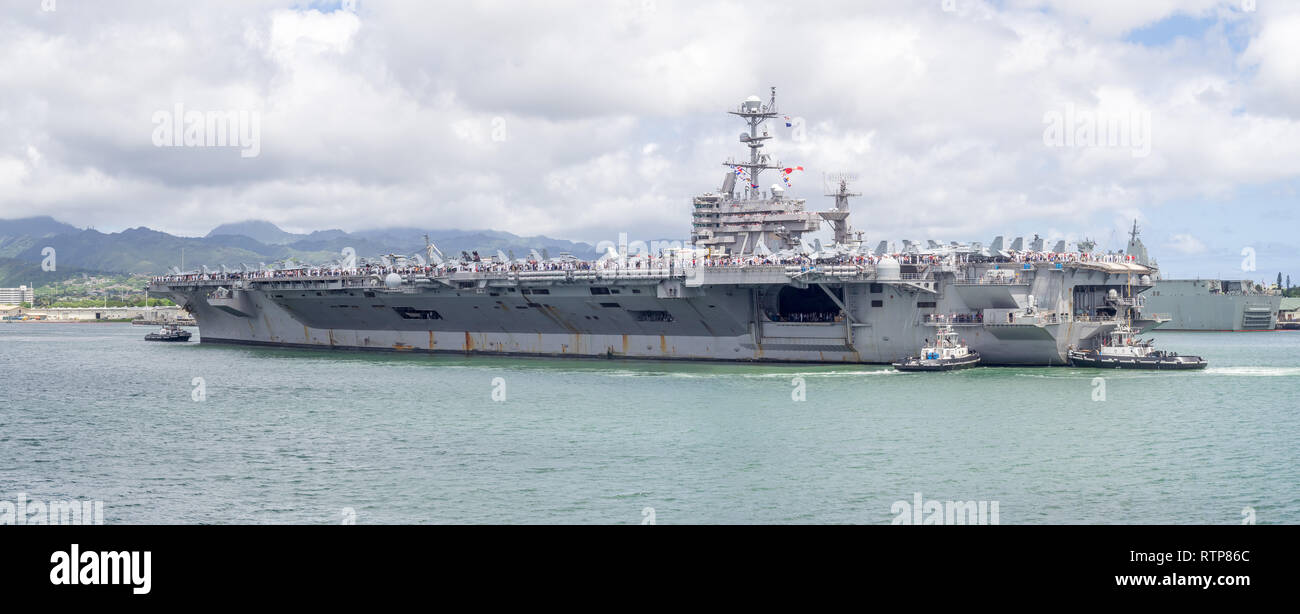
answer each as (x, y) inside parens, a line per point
(182, 336)
(1160, 363)
(915, 363)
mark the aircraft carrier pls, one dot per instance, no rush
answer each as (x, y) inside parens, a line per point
(1221, 305)
(749, 286)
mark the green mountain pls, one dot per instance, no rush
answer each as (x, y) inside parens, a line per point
(15, 272)
(142, 250)
(264, 232)
(17, 236)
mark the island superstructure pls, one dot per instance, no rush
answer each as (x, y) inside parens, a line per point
(750, 287)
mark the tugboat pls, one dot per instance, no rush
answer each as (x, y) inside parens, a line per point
(170, 332)
(948, 353)
(1123, 350)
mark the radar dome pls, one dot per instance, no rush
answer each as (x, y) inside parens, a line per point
(753, 103)
(1112, 294)
(1146, 280)
(777, 190)
(887, 269)
(393, 281)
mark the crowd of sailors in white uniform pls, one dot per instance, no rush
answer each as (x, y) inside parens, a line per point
(639, 262)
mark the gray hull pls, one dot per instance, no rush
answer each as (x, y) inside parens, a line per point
(1190, 305)
(713, 315)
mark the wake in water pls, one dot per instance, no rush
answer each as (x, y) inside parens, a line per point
(1134, 374)
(880, 371)
(729, 374)
(1255, 371)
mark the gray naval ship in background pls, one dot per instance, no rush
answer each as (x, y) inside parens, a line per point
(1222, 305)
(748, 287)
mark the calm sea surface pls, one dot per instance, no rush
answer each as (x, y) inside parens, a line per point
(91, 411)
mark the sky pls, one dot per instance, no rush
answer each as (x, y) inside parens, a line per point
(961, 119)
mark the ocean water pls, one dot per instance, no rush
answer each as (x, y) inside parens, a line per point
(92, 412)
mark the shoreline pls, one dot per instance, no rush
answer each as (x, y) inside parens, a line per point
(116, 321)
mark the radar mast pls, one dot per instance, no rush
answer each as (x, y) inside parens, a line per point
(755, 113)
(839, 216)
(756, 221)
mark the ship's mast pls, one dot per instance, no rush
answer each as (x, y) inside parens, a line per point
(751, 222)
(1128, 290)
(1136, 249)
(755, 113)
(839, 216)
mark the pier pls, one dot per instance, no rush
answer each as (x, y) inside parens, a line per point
(94, 314)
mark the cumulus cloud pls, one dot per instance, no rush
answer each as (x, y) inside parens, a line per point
(585, 119)
(1185, 244)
